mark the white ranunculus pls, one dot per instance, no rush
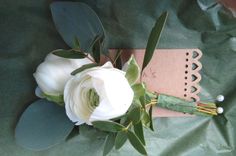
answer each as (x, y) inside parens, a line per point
(98, 93)
(52, 75)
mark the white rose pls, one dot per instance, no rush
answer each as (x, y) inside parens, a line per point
(52, 75)
(98, 93)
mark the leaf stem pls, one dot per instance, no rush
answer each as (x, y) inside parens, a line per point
(153, 102)
(117, 56)
(86, 55)
(127, 127)
(91, 59)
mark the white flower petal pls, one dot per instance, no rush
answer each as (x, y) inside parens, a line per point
(54, 72)
(115, 93)
(113, 89)
(69, 103)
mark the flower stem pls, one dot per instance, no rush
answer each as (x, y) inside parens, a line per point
(153, 102)
(91, 59)
(86, 55)
(127, 127)
(117, 56)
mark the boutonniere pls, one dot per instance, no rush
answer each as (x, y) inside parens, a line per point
(77, 89)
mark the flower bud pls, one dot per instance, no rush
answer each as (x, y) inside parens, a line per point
(52, 75)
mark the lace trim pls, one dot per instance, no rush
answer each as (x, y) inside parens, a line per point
(192, 76)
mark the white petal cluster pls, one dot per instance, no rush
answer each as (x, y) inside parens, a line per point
(98, 93)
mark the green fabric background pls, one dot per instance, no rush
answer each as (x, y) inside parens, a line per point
(27, 34)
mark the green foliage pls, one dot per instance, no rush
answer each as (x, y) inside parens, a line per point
(136, 143)
(109, 143)
(154, 38)
(84, 67)
(42, 125)
(108, 126)
(142, 100)
(139, 90)
(138, 129)
(70, 54)
(145, 118)
(150, 116)
(132, 71)
(117, 61)
(97, 48)
(76, 19)
(134, 115)
(120, 140)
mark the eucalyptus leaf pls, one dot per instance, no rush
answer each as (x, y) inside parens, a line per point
(42, 125)
(154, 38)
(71, 54)
(134, 115)
(73, 134)
(109, 126)
(109, 143)
(138, 129)
(132, 70)
(120, 140)
(84, 67)
(136, 143)
(76, 19)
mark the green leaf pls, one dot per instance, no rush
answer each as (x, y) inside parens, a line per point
(84, 67)
(154, 38)
(76, 44)
(76, 19)
(143, 101)
(145, 118)
(139, 90)
(57, 99)
(135, 114)
(136, 143)
(150, 116)
(71, 54)
(149, 95)
(120, 140)
(108, 126)
(42, 125)
(97, 48)
(132, 71)
(73, 134)
(109, 143)
(138, 129)
(117, 60)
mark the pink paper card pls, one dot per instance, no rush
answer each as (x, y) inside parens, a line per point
(172, 72)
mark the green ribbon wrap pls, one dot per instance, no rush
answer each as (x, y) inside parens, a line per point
(176, 104)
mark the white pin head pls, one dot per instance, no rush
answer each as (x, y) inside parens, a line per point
(220, 98)
(220, 110)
